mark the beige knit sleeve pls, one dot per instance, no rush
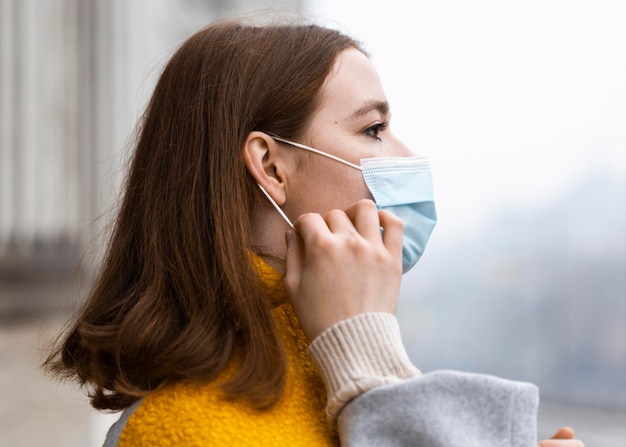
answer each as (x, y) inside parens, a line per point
(358, 354)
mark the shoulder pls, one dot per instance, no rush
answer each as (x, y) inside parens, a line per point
(161, 417)
(171, 413)
(113, 435)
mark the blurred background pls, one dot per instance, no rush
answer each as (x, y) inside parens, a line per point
(520, 106)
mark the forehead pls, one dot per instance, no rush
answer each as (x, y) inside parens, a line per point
(352, 82)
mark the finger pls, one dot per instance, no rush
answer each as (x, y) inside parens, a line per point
(392, 232)
(364, 216)
(561, 443)
(564, 433)
(294, 258)
(309, 226)
(339, 222)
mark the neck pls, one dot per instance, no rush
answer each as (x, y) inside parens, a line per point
(268, 236)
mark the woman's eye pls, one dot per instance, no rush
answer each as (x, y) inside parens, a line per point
(374, 130)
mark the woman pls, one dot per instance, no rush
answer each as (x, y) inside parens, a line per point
(190, 326)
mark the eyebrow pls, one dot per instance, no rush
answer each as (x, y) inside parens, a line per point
(380, 106)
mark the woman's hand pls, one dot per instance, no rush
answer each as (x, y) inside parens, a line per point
(340, 265)
(562, 438)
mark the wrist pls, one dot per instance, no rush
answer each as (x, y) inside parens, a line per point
(358, 354)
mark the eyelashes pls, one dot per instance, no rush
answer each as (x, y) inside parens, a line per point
(375, 129)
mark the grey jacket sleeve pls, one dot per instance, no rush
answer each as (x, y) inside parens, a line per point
(444, 408)
(381, 399)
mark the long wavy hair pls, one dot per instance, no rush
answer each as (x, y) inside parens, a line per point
(177, 296)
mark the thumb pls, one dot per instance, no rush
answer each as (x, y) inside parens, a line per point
(293, 260)
(564, 433)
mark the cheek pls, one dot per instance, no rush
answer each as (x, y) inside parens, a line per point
(348, 187)
(334, 186)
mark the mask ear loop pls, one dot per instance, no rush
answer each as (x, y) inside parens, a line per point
(284, 216)
(317, 151)
(310, 149)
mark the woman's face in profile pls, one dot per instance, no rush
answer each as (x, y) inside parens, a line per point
(351, 122)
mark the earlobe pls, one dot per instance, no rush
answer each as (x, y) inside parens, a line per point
(263, 162)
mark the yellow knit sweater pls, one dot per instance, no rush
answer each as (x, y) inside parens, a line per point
(193, 414)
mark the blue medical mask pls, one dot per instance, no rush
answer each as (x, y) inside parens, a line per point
(400, 185)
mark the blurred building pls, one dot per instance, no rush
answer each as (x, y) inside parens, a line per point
(74, 77)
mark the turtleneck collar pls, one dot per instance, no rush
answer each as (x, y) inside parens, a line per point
(271, 279)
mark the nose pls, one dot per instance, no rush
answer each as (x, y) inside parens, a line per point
(399, 149)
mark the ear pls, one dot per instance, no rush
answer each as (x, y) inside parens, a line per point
(263, 161)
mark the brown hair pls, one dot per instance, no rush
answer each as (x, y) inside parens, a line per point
(177, 294)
